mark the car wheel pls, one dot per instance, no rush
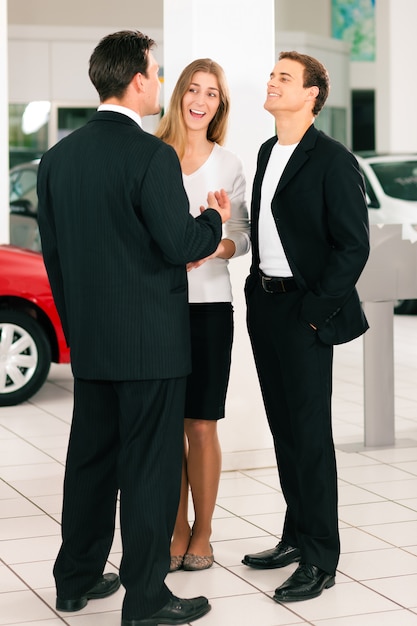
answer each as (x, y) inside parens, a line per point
(405, 307)
(25, 357)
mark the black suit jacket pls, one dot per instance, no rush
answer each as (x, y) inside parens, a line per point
(116, 235)
(321, 216)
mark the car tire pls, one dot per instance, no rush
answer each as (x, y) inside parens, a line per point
(405, 307)
(25, 357)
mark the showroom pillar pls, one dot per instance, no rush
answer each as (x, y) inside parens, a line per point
(240, 37)
(4, 127)
(396, 95)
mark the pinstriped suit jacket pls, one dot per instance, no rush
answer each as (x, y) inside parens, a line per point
(116, 235)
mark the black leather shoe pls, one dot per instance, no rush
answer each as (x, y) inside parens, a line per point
(308, 581)
(176, 611)
(105, 586)
(280, 556)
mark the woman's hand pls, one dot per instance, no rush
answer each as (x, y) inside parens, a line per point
(225, 250)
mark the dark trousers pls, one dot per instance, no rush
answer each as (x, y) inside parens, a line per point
(125, 436)
(295, 374)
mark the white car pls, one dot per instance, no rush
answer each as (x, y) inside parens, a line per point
(391, 188)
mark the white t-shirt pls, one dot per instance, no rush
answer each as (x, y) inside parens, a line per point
(223, 170)
(273, 261)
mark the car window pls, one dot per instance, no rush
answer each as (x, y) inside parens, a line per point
(22, 191)
(24, 232)
(371, 198)
(398, 178)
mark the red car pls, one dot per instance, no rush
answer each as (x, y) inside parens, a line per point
(31, 335)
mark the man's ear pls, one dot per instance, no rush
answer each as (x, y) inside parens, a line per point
(313, 92)
(138, 82)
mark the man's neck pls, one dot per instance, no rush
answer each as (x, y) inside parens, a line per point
(290, 130)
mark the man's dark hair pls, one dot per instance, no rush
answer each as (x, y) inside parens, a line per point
(315, 75)
(116, 59)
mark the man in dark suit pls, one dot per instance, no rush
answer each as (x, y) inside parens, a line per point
(310, 243)
(116, 236)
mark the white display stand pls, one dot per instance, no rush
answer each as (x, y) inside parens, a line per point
(389, 275)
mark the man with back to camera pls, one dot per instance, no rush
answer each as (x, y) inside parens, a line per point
(116, 236)
(310, 243)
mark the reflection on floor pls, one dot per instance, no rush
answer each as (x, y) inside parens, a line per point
(377, 574)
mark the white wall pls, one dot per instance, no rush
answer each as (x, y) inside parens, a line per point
(396, 94)
(54, 63)
(126, 13)
(310, 16)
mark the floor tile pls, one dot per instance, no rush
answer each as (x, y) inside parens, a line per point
(264, 580)
(411, 503)
(9, 581)
(30, 550)
(245, 505)
(243, 486)
(234, 528)
(350, 494)
(216, 582)
(17, 507)
(344, 599)
(395, 489)
(393, 455)
(375, 513)
(272, 523)
(17, 452)
(36, 575)
(401, 618)
(111, 618)
(410, 466)
(18, 607)
(358, 540)
(400, 534)
(374, 564)
(362, 475)
(401, 589)
(247, 610)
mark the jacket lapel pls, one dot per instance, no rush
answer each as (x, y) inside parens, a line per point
(298, 158)
(260, 173)
(256, 194)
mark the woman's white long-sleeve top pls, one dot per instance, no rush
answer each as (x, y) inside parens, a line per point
(223, 170)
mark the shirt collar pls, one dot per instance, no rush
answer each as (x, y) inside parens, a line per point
(120, 109)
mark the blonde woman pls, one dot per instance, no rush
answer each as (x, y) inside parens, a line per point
(195, 125)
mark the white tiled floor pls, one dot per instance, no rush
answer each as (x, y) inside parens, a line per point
(377, 573)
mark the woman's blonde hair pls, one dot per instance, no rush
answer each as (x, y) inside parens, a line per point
(172, 128)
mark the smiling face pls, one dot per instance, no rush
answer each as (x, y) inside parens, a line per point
(201, 101)
(285, 90)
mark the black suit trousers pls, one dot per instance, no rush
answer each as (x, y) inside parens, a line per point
(295, 373)
(125, 436)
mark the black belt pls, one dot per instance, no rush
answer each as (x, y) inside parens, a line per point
(272, 284)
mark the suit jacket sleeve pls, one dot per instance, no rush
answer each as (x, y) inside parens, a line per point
(50, 251)
(347, 232)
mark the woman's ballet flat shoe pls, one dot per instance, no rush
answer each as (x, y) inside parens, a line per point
(193, 562)
(176, 563)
